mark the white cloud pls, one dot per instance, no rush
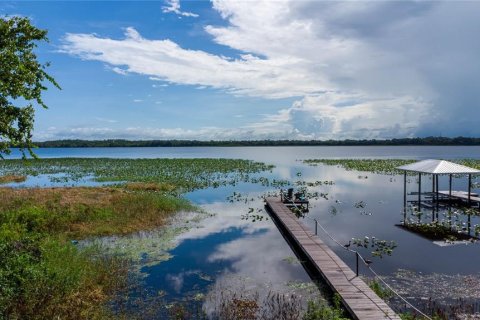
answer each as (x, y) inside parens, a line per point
(334, 116)
(360, 69)
(163, 59)
(119, 71)
(105, 120)
(137, 100)
(174, 6)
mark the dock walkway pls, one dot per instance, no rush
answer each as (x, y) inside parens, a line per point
(357, 297)
(462, 195)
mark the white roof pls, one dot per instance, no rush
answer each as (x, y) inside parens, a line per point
(438, 167)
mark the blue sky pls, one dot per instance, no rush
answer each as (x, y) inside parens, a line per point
(258, 69)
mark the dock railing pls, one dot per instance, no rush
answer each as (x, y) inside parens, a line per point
(366, 262)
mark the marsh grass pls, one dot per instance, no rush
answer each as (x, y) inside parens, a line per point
(83, 212)
(43, 275)
(43, 278)
(12, 178)
(383, 292)
(152, 186)
(246, 305)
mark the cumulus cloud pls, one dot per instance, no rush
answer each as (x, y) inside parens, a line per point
(174, 6)
(359, 69)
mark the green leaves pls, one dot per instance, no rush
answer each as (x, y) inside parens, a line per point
(22, 79)
(380, 166)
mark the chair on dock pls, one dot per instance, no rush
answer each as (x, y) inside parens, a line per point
(299, 196)
(288, 196)
(297, 199)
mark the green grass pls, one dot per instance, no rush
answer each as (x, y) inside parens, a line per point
(44, 278)
(383, 292)
(76, 213)
(42, 274)
(322, 311)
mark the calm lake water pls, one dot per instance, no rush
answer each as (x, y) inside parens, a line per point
(227, 247)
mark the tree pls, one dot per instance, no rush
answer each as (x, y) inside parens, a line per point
(22, 79)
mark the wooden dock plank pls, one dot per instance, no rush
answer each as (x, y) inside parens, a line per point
(357, 297)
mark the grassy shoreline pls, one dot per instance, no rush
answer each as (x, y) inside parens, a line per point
(42, 273)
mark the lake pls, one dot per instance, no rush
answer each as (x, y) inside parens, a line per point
(235, 249)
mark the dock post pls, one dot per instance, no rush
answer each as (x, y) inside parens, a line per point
(356, 254)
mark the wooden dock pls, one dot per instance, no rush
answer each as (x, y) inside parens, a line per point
(357, 297)
(461, 195)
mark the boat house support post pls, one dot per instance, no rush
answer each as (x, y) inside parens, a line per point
(433, 186)
(434, 198)
(450, 187)
(469, 187)
(419, 189)
(404, 197)
(436, 193)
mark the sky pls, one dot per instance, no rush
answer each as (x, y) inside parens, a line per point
(237, 70)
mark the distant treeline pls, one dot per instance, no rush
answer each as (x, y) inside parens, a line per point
(428, 141)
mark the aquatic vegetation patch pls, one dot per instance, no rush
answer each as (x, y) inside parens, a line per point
(12, 178)
(442, 295)
(437, 231)
(379, 166)
(379, 247)
(184, 174)
(293, 261)
(314, 183)
(360, 204)
(148, 247)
